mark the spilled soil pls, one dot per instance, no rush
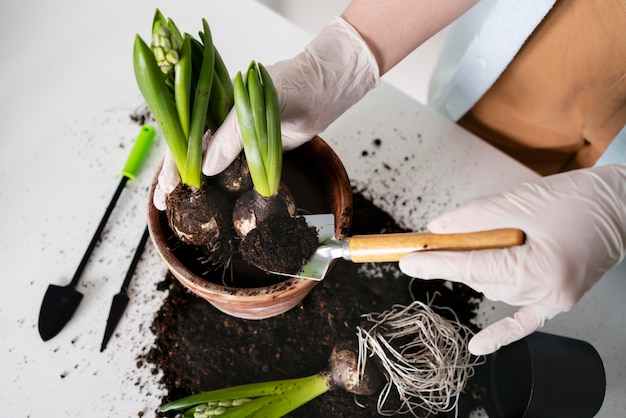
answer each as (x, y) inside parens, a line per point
(199, 348)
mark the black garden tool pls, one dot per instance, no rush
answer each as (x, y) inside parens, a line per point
(120, 300)
(60, 302)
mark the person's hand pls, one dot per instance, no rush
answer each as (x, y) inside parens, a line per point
(335, 70)
(575, 226)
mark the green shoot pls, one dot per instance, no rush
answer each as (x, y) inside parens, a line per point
(185, 84)
(193, 172)
(266, 399)
(274, 134)
(182, 85)
(161, 103)
(258, 116)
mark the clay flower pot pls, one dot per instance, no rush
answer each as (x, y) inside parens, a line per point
(319, 183)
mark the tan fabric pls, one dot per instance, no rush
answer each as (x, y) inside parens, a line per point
(562, 100)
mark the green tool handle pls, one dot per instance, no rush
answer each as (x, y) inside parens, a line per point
(136, 157)
(139, 151)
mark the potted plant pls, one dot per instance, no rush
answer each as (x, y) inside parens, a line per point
(177, 75)
(189, 92)
(264, 216)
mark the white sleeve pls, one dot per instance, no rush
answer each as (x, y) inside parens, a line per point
(616, 152)
(479, 46)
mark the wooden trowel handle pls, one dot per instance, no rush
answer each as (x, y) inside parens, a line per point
(392, 247)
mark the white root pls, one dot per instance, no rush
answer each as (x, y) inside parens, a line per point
(424, 355)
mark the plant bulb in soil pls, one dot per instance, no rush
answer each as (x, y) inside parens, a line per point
(235, 179)
(273, 239)
(201, 217)
(251, 209)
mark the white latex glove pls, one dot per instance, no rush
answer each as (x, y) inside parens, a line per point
(335, 70)
(167, 181)
(575, 225)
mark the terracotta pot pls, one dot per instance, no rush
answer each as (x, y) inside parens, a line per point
(319, 183)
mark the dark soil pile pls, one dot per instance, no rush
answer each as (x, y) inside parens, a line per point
(281, 245)
(199, 348)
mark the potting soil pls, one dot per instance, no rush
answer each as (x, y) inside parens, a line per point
(198, 348)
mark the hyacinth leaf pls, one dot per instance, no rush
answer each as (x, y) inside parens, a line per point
(249, 409)
(182, 85)
(219, 104)
(296, 397)
(274, 135)
(263, 395)
(176, 34)
(158, 21)
(151, 82)
(222, 99)
(251, 390)
(222, 73)
(258, 115)
(257, 104)
(245, 119)
(280, 405)
(193, 174)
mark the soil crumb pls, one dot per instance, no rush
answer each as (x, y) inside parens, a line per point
(199, 348)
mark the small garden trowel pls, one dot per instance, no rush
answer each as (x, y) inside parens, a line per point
(392, 247)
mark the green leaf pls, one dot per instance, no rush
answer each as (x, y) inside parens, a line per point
(176, 37)
(222, 74)
(193, 174)
(251, 408)
(222, 99)
(182, 85)
(274, 158)
(308, 389)
(269, 399)
(245, 119)
(258, 114)
(251, 390)
(151, 82)
(219, 105)
(257, 104)
(158, 20)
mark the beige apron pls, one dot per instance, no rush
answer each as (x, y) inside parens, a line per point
(562, 100)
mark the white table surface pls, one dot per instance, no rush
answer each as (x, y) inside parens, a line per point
(68, 90)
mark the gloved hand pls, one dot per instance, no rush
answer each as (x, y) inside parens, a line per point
(335, 70)
(575, 226)
(167, 181)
